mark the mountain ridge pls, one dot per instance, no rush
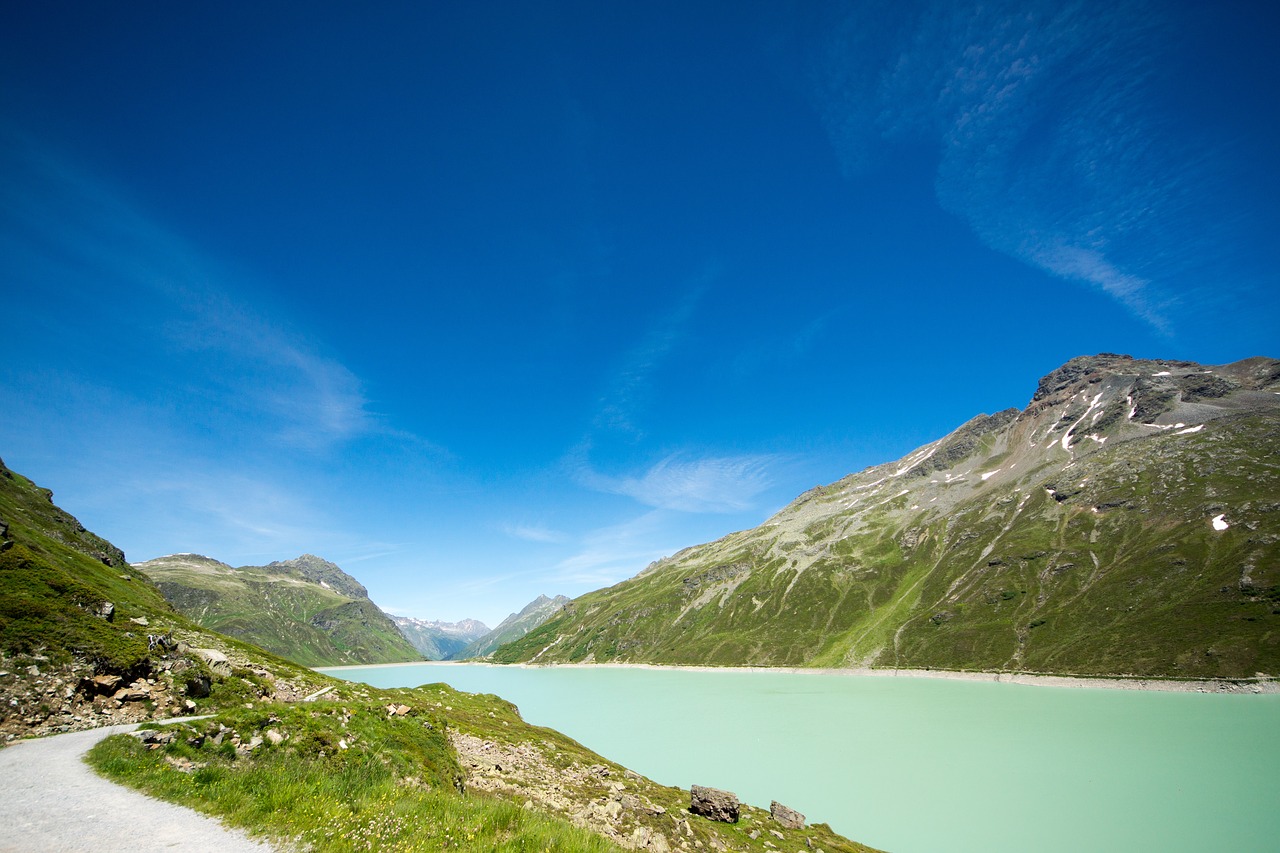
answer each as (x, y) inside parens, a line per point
(515, 626)
(438, 640)
(306, 609)
(1074, 536)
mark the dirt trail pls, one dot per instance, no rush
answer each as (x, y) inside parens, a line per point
(51, 801)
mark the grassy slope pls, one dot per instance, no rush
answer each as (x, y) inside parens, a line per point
(347, 776)
(280, 611)
(54, 574)
(1016, 580)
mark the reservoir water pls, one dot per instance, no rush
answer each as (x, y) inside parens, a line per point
(919, 764)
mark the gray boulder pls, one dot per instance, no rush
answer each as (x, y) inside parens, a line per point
(714, 804)
(217, 660)
(790, 818)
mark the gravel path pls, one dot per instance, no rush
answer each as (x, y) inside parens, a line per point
(51, 801)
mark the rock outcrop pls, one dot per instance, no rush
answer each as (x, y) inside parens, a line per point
(714, 804)
(790, 818)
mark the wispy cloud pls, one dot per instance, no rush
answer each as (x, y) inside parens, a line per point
(615, 552)
(713, 484)
(534, 533)
(629, 387)
(231, 515)
(1048, 147)
(75, 240)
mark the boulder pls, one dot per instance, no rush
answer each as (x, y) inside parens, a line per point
(790, 818)
(105, 684)
(133, 693)
(217, 660)
(714, 804)
(152, 736)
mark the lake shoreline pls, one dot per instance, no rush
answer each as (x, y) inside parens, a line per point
(1227, 685)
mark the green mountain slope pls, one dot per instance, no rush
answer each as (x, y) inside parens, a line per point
(1127, 521)
(87, 640)
(514, 626)
(306, 610)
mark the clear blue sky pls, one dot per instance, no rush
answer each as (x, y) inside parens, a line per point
(486, 300)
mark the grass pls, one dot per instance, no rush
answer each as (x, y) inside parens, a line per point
(347, 776)
(343, 779)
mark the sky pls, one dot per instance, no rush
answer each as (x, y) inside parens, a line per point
(488, 300)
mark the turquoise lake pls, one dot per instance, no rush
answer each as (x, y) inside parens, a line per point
(919, 764)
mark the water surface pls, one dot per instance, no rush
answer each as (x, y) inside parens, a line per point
(919, 764)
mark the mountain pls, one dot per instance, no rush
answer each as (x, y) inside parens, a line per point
(1126, 521)
(514, 626)
(306, 610)
(88, 640)
(439, 640)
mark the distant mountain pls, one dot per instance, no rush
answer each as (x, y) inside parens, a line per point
(514, 626)
(439, 640)
(306, 610)
(1126, 521)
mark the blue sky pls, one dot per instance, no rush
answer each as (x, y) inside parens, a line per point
(488, 300)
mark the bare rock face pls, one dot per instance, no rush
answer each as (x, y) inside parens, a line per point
(790, 818)
(714, 804)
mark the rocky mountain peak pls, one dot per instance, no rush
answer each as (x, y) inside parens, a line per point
(321, 571)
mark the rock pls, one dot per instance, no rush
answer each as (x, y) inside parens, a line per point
(646, 839)
(199, 686)
(106, 610)
(105, 684)
(140, 620)
(188, 705)
(130, 694)
(790, 818)
(714, 804)
(217, 661)
(157, 738)
(275, 737)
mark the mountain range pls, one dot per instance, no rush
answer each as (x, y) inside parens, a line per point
(438, 640)
(514, 627)
(1125, 521)
(307, 610)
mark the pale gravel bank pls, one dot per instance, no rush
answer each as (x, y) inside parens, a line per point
(1261, 684)
(50, 800)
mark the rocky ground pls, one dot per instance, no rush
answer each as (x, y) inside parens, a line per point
(40, 698)
(619, 804)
